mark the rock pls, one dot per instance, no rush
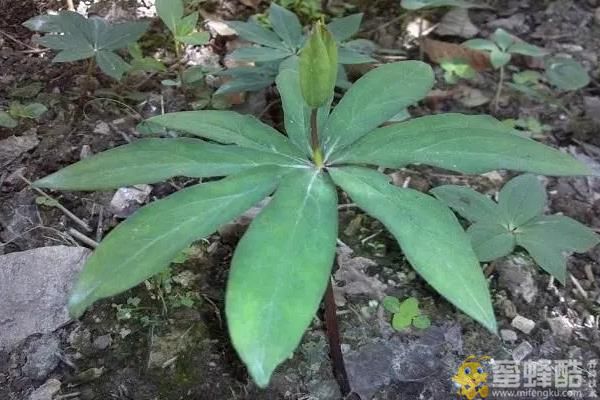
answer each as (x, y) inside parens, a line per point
(46, 391)
(522, 351)
(356, 282)
(42, 357)
(457, 23)
(13, 146)
(219, 28)
(102, 128)
(35, 285)
(523, 324)
(514, 23)
(508, 335)
(561, 327)
(597, 16)
(102, 342)
(324, 389)
(515, 274)
(592, 107)
(128, 200)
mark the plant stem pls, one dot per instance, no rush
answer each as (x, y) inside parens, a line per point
(314, 139)
(499, 89)
(179, 64)
(333, 335)
(420, 39)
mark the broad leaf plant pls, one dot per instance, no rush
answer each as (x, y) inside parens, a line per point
(282, 264)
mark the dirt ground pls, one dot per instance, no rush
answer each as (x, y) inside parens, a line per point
(167, 339)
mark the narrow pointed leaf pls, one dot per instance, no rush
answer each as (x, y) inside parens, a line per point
(228, 127)
(146, 243)
(548, 237)
(112, 64)
(274, 292)
(286, 24)
(522, 199)
(194, 38)
(118, 36)
(471, 144)
(470, 204)
(171, 12)
(344, 28)
(374, 99)
(430, 236)
(491, 240)
(349, 56)
(71, 55)
(260, 54)
(156, 160)
(187, 24)
(481, 44)
(527, 49)
(253, 32)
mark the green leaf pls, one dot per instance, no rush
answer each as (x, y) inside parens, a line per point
(248, 83)
(193, 74)
(421, 322)
(391, 304)
(430, 236)
(374, 99)
(229, 127)
(27, 91)
(135, 51)
(273, 294)
(7, 121)
(499, 58)
(146, 242)
(349, 56)
(470, 144)
(286, 24)
(491, 240)
(34, 110)
(74, 55)
(112, 64)
(44, 23)
(566, 73)
(344, 28)
(253, 32)
(186, 25)
(470, 204)
(481, 44)
(503, 39)
(401, 321)
(417, 4)
(156, 160)
(259, 54)
(296, 111)
(547, 237)
(194, 38)
(409, 307)
(118, 36)
(171, 13)
(522, 199)
(527, 49)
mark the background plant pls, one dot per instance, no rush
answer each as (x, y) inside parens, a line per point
(501, 47)
(16, 111)
(405, 313)
(282, 265)
(518, 220)
(79, 38)
(456, 69)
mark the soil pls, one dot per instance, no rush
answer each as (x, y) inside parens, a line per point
(167, 339)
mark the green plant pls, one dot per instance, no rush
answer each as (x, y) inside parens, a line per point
(139, 62)
(456, 69)
(307, 10)
(529, 125)
(80, 38)
(16, 111)
(565, 73)
(419, 4)
(184, 31)
(405, 313)
(518, 220)
(501, 47)
(277, 49)
(282, 265)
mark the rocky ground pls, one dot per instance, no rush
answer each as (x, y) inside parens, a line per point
(166, 339)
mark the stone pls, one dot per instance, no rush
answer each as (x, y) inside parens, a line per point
(514, 23)
(128, 200)
(102, 128)
(561, 327)
(597, 16)
(508, 335)
(522, 351)
(46, 391)
(523, 324)
(42, 357)
(35, 286)
(457, 23)
(515, 274)
(102, 342)
(13, 146)
(592, 107)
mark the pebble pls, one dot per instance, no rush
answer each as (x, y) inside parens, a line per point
(523, 324)
(561, 327)
(42, 357)
(127, 200)
(46, 391)
(522, 351)
(508, 335)
(102, 342)
(102, 128)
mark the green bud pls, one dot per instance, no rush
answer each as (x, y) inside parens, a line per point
(318, 67)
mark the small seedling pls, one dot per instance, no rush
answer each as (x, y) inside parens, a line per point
(518, 220)
(139, 62)
(528, 125)
(183, 28)
(501, 47)
(281, 266)
(80, 38)
(457, 69)
(16, 111)
(279, 48)
(406, 313)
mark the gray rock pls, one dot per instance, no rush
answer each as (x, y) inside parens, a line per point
(127, 200)
(515, 273)
(592, 107)
(42, 357)
(34, 288)
(456, 22)
(522, 351)
(561, 327)
(523, 324)
(514, 23)
(46, 391)
(13, 146)
(508, 335)
(103, 342)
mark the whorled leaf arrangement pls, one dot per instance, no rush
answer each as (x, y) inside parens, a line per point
(80, 38)
(518, 220)
(281, 266)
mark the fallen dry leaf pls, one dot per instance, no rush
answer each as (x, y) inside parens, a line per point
(439, 51)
